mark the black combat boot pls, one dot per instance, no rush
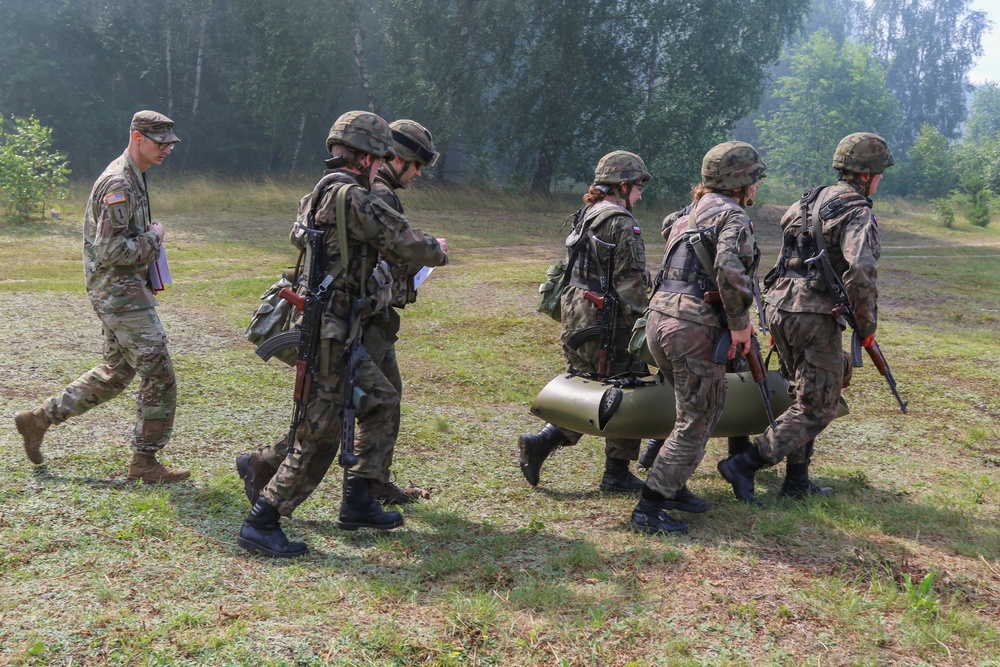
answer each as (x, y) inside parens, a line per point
(618, 478)
(255, 473)
(358, 509)
(737, 444)
(535, 448)
(262, 532)
(653, 448)
(648, 517)
(739, 471)
(798, 485)
(685, 501)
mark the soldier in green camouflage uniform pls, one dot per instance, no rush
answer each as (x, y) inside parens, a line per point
(359, 143)
(799, 307)
(691, 308)
(414, 149)
(120, 241)
(607, 216)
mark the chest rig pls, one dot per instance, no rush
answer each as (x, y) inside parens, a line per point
(799, 249)
(584, 264)
(690, 253)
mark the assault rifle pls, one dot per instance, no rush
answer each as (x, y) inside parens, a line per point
(846, 310)
(354, 395)
(755, 361)
(607, 304)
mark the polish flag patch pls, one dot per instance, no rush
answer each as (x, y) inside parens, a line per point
(637, 230)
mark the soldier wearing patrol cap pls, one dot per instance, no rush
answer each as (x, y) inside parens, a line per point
(800, 315)
(704, 289)
(360, 143)
(607, 217)
(120, 241)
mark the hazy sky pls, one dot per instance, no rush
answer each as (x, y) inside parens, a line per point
(988, 66)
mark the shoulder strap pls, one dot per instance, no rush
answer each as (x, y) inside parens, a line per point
(341, 208)
(698, 243)
(833, 280)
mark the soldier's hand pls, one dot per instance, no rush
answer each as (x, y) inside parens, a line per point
(444, 244)
(158, 228)
(741, 341)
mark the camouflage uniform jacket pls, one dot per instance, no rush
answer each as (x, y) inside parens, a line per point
(851, 236)
(118, 245)
(373, 231)
(403, 291)
(736, 258)
(615, 225)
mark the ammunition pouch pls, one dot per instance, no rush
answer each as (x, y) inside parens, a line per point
(273, 316)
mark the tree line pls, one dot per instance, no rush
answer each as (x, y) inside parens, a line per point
(525, 92)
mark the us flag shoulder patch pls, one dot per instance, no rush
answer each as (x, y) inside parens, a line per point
(115, 198)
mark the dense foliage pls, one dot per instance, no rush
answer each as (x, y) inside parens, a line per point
(31, 173)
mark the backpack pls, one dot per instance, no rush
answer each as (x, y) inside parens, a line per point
(558, 275)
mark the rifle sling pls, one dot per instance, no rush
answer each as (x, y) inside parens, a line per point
(833, 280)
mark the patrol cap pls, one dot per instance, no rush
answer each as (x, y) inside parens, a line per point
(154, 125)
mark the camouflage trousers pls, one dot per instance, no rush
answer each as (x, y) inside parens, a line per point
(585, 359)
(134, 343)
(379, 338)
(683, 353)
(318, 438)
(812, 357)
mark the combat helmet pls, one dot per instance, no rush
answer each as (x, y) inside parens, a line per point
(620, 167)
(413, 142)
(732, 165)
(363, 131)
(863, 153)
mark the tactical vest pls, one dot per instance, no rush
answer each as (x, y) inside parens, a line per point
(683, 272)
(585, 266)
(798, 244)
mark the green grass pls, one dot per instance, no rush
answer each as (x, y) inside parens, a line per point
(902, 566)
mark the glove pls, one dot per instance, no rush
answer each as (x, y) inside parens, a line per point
(868, 342)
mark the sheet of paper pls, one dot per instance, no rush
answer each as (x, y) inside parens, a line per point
(421, 275)
(159, 272)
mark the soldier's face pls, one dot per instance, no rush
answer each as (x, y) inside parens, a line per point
(412, 171)
(873, 184)
(150, 152)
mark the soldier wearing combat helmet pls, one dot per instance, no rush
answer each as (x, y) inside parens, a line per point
(414, 147)
(800, 315)
(604, 225)
(360, 142)
(120, 242)
(704, 289)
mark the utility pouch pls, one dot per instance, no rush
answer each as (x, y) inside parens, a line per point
(273, 316)
(550, 292)
(637, 345)
(379, 286)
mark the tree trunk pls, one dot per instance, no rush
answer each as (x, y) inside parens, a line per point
(541, 182)
(298, 144)
(170, 85)
(359, 59)
(200, 60)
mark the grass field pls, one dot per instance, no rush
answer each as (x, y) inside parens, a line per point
(901, 567)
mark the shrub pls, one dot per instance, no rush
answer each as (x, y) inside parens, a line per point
(944, 212)
(30, 173)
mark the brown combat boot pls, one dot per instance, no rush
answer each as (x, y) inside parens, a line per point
(32, 424)
(390, 494)
(144, 467)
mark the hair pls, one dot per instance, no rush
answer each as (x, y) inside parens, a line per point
(700, 190)
(349, 155)
(594, 195)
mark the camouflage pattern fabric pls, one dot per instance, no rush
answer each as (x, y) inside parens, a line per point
(732, 165)
(403, 292)
(387, 234)
(631, 281)
(736, 255)
(620, 167)
(318, 438)
(134, 342)
(118, 244)
(863, 153)
(812, 357)
(685, 330)
(683, 353)
(363, 131)
(852, 242)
